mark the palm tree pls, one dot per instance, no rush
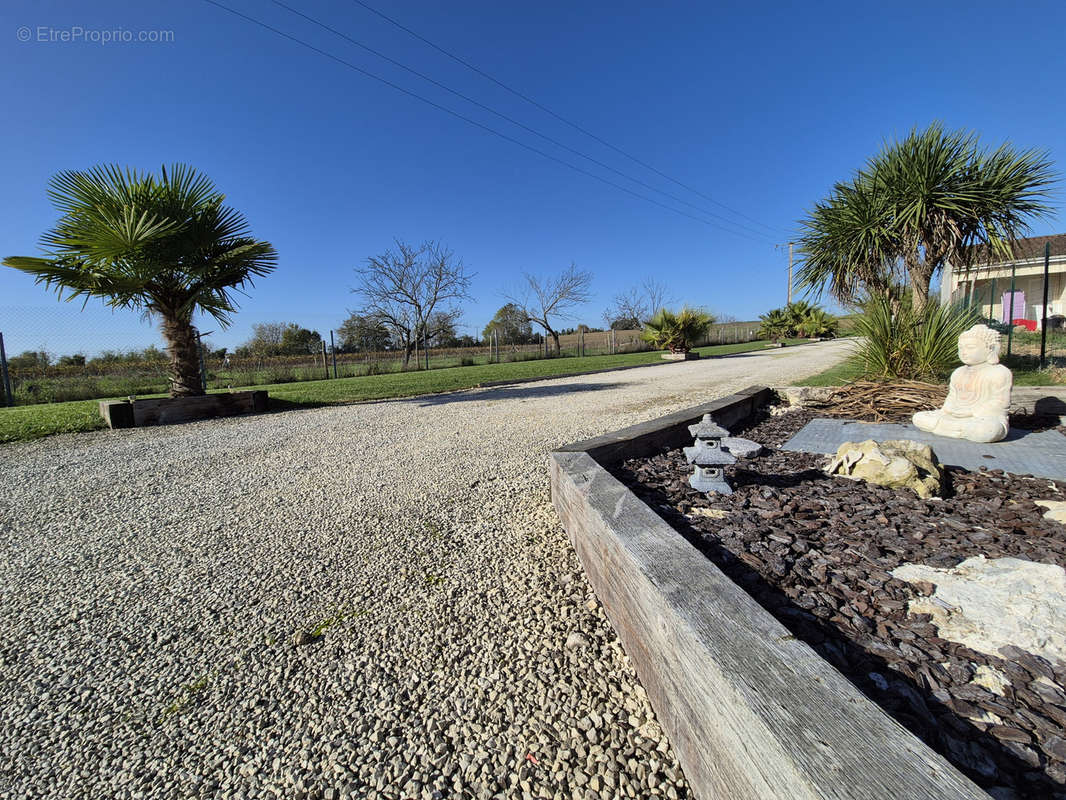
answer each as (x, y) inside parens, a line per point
(775, 325)
(797, 312)
(936, 197)
(846, 247)
(166, 246)
(678, 331)
(817, 323)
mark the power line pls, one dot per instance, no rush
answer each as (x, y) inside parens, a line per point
(559, 117)
(466, 119)
(515, 122)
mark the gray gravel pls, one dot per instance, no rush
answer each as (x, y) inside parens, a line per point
(156, 582)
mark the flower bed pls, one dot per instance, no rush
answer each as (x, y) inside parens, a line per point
(817, 552)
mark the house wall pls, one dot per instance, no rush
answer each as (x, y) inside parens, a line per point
(985, 286)
(987, 294)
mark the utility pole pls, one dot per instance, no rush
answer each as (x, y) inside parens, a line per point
(790, 244)
(790, 273)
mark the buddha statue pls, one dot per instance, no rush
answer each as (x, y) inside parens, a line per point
(978, 393)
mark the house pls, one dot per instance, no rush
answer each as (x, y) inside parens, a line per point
(988, 286)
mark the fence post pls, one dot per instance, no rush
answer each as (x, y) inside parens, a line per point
(203, 368)
(1043, 319)
(9, 399)
(333, 350)
(1010, 314)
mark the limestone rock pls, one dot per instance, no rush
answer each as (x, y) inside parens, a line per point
(1056, 509)
(988, 604)
(899, 464)
(991, 679)
(576, 641)
(804, 396)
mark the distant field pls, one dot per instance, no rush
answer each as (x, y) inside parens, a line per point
(22, 423)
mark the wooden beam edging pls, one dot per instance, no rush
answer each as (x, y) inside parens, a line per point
(169, 410)
(752, 713)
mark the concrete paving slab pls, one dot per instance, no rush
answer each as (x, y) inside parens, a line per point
(1023, 452)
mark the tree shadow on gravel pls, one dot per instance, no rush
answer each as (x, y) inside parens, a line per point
(518, 392)
(980, 756)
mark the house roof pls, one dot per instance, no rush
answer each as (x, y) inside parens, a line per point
(1032, 247)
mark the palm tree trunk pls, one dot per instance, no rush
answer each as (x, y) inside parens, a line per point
(183, 348)
(920, 272)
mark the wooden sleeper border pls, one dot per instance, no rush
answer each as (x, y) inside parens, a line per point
(752, 712)
(167, 410)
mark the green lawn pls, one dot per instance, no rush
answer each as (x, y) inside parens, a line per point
(844, 372)
(1026, 373)
(22, 423)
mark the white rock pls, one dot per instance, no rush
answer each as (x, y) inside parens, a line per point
(991, 679)
(576, 640)
(988, 604)
(1056, 509)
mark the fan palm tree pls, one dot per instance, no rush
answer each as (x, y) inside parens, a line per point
(816, 323)
(797, 312)
(678, 331)
(775, 325)
(935, 197)
(164, 245)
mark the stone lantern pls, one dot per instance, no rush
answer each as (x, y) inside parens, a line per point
(713, 450)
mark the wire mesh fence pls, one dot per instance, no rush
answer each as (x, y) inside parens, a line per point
(1024, 298)
(64, 352)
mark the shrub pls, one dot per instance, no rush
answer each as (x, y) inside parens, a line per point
(677, 332)
(898, 342)
(1000, 327)
(466, 362)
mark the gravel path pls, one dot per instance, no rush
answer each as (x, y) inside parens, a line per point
(155, 583)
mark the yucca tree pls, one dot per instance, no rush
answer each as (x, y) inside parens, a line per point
(678, 331)
(164, 245)
(922, 202)
(846, 247)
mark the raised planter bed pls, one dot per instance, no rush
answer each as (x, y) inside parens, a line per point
(168, 410)
(751, 710)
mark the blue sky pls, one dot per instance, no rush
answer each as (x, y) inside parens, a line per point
(761, 106)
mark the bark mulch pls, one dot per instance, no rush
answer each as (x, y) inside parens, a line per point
(816, 552)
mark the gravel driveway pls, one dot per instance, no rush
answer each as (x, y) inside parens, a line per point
(155, 581)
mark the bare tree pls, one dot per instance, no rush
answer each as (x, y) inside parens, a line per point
(543, 299)
(414, 291)
(635, 306)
